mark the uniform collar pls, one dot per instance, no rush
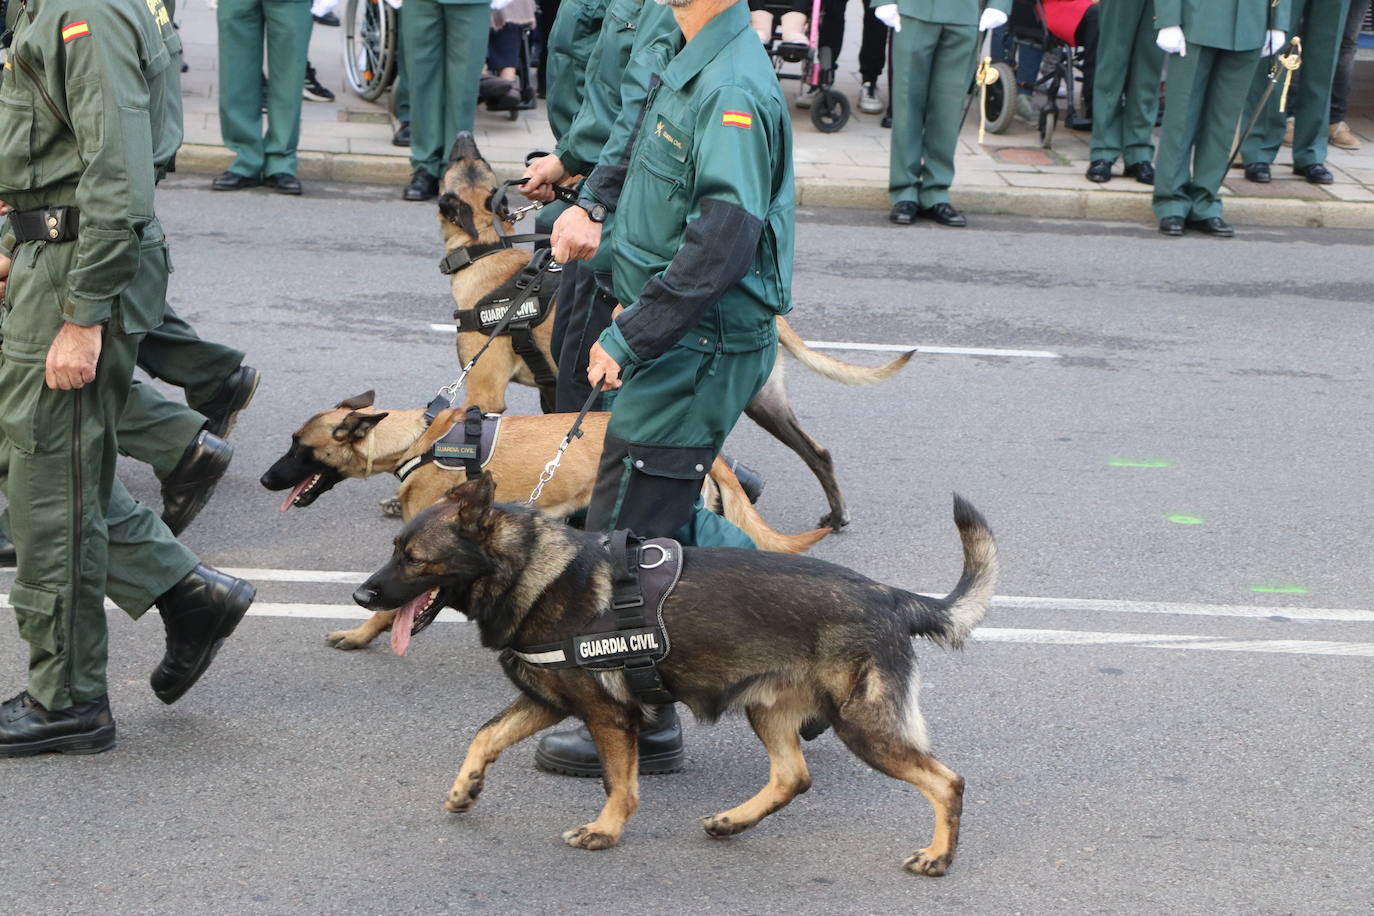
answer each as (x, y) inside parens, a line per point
(701, 50)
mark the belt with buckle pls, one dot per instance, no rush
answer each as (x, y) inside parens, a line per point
(46, 224)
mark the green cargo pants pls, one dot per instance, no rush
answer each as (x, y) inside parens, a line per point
(932, 66)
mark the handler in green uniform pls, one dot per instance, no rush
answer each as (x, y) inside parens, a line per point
(1320, 24)
(1126, 92)
(83, 120)
(244, 25)
(933, 60)
(1213, 46)
(445, 45)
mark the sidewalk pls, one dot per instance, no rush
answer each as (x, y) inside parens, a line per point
(350, 140)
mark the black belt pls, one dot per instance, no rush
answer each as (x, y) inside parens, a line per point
(46, 224)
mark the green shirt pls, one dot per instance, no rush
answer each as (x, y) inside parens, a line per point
(1231, 25)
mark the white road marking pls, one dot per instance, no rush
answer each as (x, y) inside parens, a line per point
(883, 348)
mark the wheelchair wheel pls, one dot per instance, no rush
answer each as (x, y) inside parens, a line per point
(1001, 103)
(1049, 119)
(369, 47)
(830, 111)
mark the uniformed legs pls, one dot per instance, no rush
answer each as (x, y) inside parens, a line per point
(932, 66)
(174, 353)
(288, 42)
(445, 48)
(244, 27)
(584, 311)
(155, 430)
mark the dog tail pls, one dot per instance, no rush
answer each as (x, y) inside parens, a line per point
(739, 511)
(834, 369)
(950, 619)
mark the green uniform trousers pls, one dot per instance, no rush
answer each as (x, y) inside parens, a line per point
(445, 50)
(1320, 24)
(69, 518)
(1126, 91)
(932, 65)
(1205, 97)
(244, 27)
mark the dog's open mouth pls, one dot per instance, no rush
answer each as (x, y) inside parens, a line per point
(304, 493)
(413, 617)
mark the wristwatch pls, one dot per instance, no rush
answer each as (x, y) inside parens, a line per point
(595, 212)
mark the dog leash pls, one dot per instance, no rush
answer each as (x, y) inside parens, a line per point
(501, 209)
(575, 433)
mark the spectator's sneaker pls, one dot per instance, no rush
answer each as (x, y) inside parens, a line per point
(1288, 133)
(313, 91)
(1341, 136)
(807, 95)
(26, 728)
(869, 102)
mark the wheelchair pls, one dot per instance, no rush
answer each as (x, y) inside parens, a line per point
(371, 37)
(829, 107)
(1060, 72)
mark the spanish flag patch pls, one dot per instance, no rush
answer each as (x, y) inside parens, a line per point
(74, 31)
(737, 119)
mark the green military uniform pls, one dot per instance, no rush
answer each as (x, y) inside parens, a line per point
(932, 66)
(1126, 92)
(445, 48)
(244, 26)
(1205, 96)
(1320, 24)
(83, 117)
(702, 257)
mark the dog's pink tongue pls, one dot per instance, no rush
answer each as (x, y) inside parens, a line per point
(297, 491)
(403, 622)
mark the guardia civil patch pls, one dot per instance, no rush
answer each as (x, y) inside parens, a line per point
(74, 31)
(737, 119)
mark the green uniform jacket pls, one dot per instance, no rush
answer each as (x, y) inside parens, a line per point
(113, 96)
(580, 146)
(1231, 25)
(702, 246)
(571, 40)
(946, 12)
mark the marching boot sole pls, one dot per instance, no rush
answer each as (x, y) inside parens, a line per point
(233, 416)
(177, 691)
(93, 742)
(649, 764)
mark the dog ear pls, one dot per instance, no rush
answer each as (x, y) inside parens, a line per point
(358, 401)
(357, 425)
(473, 498)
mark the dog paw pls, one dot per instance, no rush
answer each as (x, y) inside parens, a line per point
(923, 863)
(346, 639)
(391, 507)
(585, 837)
(463, 796)
(834, 521)
(718, 825)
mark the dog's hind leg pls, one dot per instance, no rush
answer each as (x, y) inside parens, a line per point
(512, 725)
(618, 748)
(360, 636)
(788, 777)
(771, 409)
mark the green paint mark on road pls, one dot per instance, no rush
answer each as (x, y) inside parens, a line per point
(1185, 520)
(1144, 463)
(1279, 589)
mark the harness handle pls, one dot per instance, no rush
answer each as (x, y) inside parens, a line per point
(575, 433)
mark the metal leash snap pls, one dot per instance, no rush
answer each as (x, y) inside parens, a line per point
(575, 433)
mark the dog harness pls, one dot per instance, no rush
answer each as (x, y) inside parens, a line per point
(467, 446)
(630, 635)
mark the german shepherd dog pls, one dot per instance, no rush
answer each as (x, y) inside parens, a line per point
(466, 218)
(353, 440)
(783, 638)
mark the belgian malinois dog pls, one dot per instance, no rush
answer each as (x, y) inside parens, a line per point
(353, 440)
(466, 218)
(783, 638)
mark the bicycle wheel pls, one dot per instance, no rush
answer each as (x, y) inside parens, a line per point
(369, 47)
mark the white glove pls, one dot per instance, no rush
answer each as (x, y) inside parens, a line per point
(499, 5)
(887, 14)
(1274, 41)
(992, 19)
(1171, 41)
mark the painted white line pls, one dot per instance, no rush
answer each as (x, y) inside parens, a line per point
(297, 575)
(331, 612)
(1173, 641)
(1105, 605)
(882, 348)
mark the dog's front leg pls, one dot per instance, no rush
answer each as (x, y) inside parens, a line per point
(361, 636)
(514, 724)
(618, 748)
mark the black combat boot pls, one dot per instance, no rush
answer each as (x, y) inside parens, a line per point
(573, 753)
(200, 612)
(8, 557)
(26, 728)
(189, 487)
(234, 394)
(750, 479)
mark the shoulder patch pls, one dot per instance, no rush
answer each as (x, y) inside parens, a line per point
(737, 119)
(74, 31)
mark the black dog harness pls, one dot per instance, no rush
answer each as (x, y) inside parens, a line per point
(467, 446)
(630, 635)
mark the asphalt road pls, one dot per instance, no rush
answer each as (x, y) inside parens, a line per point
(1168, 709)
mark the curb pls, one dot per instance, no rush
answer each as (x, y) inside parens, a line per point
(1044, 203)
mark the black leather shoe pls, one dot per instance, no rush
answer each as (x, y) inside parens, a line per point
(200, 612)
(233, 181)
(1171, 226)
(402, 135)
(1316, 173)
(904, 212)
(573, 753)
(423, 186)
(750, 479)
(26, 728)
(8, 558)
(1258, 172)
(285, 183)
(326, 19)
(1099, 170)
(1213, 226)
(235, 393)
(944, 214)
(1142, 172)
(189, 487)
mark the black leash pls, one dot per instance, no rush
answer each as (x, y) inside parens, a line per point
(575, 433)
